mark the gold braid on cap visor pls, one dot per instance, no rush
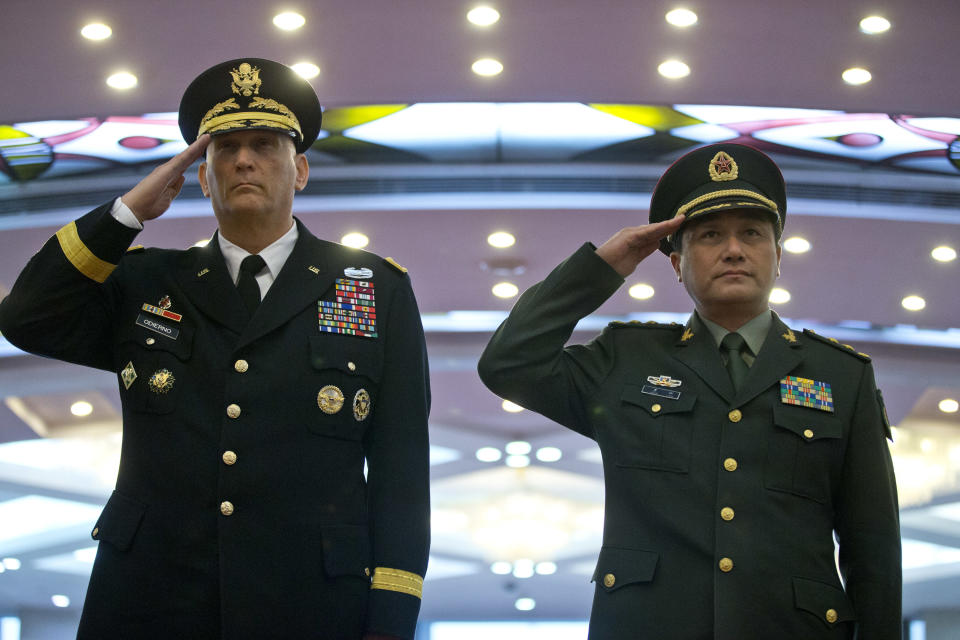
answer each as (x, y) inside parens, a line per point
(729, 193)
(284, 119)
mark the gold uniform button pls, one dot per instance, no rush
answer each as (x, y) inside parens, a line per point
(229, 457)
(831, 615)
(726, 565)
(233, 411)
(726, 513)
(149, 341)
(656, 408)
(735, 415)
(808, 433)
(609, 580)
(730, 464)
(95, 532)
(351, 366)
(226, 507)
(241, 366)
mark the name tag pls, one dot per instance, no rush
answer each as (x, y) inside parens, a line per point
(660, 392)
(149, 323)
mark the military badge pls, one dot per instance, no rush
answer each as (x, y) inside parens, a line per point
(158, 327)
(804, 392)
(687, 334)
(723, 167)
(246, 80)
(162, 311)
(358, 272)
(361, 405)
(789, 336)
(330, 399)
(161, 381)
(165, 303)
(353, 310)
(128, 375)
(664, 381)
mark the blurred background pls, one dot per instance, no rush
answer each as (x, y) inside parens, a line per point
(479, 148)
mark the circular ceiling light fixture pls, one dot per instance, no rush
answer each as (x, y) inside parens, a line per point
(857, 76)
(96, 31)
(872, 25)
(355, 239)
(483, 16)
(487, 67)
(681, 18)
(289, 21)
(673, 69)
(122, 81)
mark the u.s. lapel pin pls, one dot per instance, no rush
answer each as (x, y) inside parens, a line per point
(313, 270)
(203, 272)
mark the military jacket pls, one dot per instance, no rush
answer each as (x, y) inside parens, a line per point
(721, 506)
(242, 508)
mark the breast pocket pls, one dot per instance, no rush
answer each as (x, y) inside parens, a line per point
(151, 366)
(654, 431)
(347, 380)
(805, 447)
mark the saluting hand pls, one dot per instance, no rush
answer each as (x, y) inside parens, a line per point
(153, 195)
(628, 247)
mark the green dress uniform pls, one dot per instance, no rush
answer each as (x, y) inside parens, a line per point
(241, 507)
(721, 505)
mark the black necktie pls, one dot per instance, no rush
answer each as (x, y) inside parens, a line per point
(247, 282)
(733, 345)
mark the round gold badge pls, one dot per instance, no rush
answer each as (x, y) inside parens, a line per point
(361, 405)
(161, 381)
(330, 399)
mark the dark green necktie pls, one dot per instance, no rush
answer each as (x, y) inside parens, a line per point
(247, 282)
(733, 345)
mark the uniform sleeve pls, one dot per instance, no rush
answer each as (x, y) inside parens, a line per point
(526, 361)
(868, 522)
(398, 476)
(62, 303)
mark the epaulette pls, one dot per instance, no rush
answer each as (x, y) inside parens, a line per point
(833, 342)
(393, 263)
(649, 324)
(136, 249)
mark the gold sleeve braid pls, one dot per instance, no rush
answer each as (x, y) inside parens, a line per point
(397, 580)
(80, 256)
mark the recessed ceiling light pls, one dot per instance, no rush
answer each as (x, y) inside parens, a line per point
(518, 462)
(505, 290)
(487, 67)
(306, 70)
(857, 75)
(523, 568)
(525, 604)
(913, 303)
(641, 291)
(518, 448)
(483, 16)
(81, 408)
(13, 564)
(488, 454)
(779, 296)
(874, 25)
(949, 405)
(60, 601)
(501, 567)
(796, 244)
(681, 17)
(96, 31)
(355, 239)
(673, 69)
(511, 407)
(122, 80)
(289, 20)
(944, 254)
(549, 454)
(546, 568)
(501, 239)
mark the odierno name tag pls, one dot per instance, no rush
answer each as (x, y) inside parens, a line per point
(149, 323)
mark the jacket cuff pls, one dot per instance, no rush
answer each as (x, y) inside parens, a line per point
(394, 602)
(95, 243)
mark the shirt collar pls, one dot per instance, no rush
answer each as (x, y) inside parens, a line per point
(753, 332)
(275, 255)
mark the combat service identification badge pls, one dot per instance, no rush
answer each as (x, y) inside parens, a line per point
(804, 392)
(361, 405)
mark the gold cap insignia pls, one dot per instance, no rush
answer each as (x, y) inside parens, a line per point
(361, 405)
(723, 167)
(161, 381)
(246, 80)
(128, 375)
(330, 399)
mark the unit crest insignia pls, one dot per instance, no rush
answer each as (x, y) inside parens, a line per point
(361, 405)
(246, 80)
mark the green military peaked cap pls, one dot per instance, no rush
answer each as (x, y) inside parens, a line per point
(719, 177)
(251, 93)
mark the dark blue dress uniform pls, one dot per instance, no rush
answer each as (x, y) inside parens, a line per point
(241, 508)
(720, 505)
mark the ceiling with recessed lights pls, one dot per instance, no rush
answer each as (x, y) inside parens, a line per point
(550, 125)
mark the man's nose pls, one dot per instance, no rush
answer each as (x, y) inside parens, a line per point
(732, 249)
(244, 156)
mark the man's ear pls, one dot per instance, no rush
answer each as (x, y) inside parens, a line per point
(779, 252)
(675, 259)
(303, 171)
(202, 176)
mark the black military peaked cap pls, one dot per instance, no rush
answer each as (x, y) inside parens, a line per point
(719, 177)
(251, 93)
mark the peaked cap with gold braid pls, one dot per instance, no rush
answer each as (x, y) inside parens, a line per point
(715, 178)
(251, 93)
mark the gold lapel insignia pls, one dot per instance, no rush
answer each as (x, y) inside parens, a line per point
(789, 336)
(161, 381)
(314, 270)
(723, 167)
(361, 405)
(687, 334)
(128, 375)
(203, 273)
(330, 399)
(246, 80)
